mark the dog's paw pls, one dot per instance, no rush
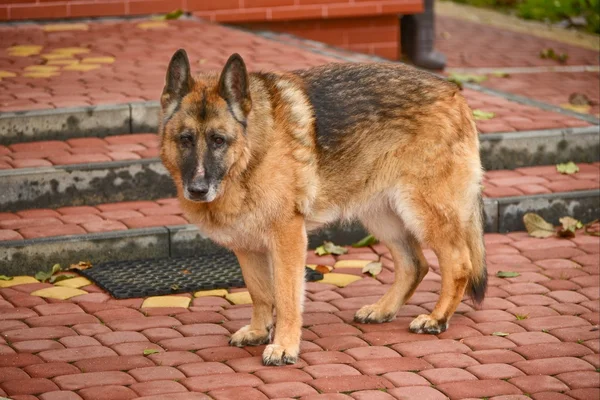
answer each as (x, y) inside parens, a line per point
(372, 314)
(275, 354)
(250, 337)
(425, 324)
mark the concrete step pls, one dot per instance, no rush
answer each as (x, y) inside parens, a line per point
(153, 229)
(94, 170)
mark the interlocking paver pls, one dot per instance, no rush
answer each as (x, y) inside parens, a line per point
(534, 384)
(90, 379)
(158, 388)
(553, 366)
(113, 363)
(206, 383)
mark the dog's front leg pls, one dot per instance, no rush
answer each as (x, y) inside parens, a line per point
(258, 277)
(289, 257)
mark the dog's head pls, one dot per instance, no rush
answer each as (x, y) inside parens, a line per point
(203, 125)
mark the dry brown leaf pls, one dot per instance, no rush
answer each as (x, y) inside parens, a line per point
(80, 266)
(322, 269)
(536, 226)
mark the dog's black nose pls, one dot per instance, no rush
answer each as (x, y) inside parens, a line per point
(198, 189)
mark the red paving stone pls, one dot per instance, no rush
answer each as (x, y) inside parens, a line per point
(553, 352)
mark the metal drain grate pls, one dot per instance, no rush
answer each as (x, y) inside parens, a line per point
(156, 277)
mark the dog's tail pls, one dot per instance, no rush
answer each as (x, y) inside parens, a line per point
(474, 235)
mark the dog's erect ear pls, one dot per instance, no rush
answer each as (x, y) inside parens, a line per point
(178, 82)
(234, 87)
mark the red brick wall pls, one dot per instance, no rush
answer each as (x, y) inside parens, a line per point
(217, 10)
(372, 35)
(369, 26)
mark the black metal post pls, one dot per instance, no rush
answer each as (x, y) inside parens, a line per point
(417, 37)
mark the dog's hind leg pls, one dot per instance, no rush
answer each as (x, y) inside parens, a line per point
(258, 277)
(409, 264)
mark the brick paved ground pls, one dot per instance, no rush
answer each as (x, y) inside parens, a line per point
(29, 224)
(140, 54)
(473, 45)
(128, 58)
(552, 87)
(469, 44)
(92, 347)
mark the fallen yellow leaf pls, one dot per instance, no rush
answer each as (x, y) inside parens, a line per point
(583, 109)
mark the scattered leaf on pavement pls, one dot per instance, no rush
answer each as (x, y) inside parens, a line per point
(330, 248)
(174, 287)
(480, 115)
(579, 99)
(175, 14)
(6, 278)
(583, 109)
(80, 266)
(147, 352)
(320, 251)
(459, 79)
(185, 272)
(550, 54)
(44, 276)
(569, 226)
(507, 274)
(501, 334)
(322, 269)
(500, 74)
(366, 241)
(536, 226)
(373, 268)
(567, 168)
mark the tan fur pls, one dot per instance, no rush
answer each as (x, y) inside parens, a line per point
(412, 177)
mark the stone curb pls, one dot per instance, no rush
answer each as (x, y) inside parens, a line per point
(75, 122)
(84, 184)
(31, 255)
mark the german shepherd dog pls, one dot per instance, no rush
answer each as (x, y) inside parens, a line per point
(261, 159)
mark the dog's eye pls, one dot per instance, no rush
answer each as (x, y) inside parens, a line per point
(218, 140)
(186, 140)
